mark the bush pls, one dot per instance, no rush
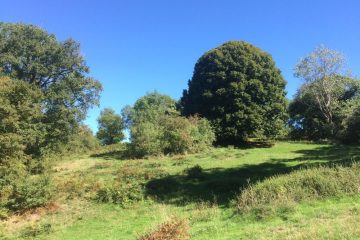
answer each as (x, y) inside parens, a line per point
(173, 229)
(26, 193)
(129, 185)
(121, 193)
(302, 185)
(172, 135)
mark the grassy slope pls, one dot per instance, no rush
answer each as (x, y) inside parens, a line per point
(226, 171)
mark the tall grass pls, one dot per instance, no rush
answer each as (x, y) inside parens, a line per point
(302, 185)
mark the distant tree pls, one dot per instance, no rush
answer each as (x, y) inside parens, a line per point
(30, 54)
(149, 108)
(322, 72)
(111, 127)
(156, 128)
(317, 110)
(143, 121)
(239, 89)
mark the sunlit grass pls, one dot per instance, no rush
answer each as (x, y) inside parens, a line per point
(207, 200)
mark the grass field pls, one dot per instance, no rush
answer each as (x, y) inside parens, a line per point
(205, 198)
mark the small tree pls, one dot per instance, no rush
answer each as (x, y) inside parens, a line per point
(111, 127)
(157, 128)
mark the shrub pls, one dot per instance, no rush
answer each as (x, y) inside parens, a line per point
(129, 185)
(302, 185)
(173, 229)
(172, 135)
(121, 193)
(156, 128)
(23, 194)
(146, 139)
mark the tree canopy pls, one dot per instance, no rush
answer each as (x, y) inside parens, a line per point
(157, 128)
(111, 127)
(326, 98)
(239, 89)
(31, 54)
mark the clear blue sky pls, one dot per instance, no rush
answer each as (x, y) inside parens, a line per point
(134, 47)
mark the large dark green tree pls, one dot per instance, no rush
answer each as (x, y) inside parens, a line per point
(240, 90)
(31, 54)
(111, 127)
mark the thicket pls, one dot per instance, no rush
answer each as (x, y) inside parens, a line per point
(156, 128)
(44, 95)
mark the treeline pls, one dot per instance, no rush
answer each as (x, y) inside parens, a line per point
(239, 92)
(236, 95)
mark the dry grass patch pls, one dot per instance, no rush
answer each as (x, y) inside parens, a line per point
(173, 229)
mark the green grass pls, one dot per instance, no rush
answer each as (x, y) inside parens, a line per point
(206, 199)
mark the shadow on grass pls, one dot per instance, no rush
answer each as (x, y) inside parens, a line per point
(119, 155)
(223, 184)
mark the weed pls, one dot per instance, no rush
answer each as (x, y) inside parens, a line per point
(36, 229)
(173, 229)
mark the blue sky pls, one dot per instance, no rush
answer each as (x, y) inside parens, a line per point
(134, 47)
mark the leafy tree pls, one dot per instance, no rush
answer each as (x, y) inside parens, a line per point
(156, 128)
(82, 141)
(149, 108)
(351, 123)
(239, 89)
(318, 109)
(21, 131)
(111, 127)
(30, 54)
(322, 70)
(143, 121)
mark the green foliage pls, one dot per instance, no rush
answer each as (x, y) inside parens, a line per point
(33, 192)
(172, 135)
(21, 133)
(157, 129)
(129, 185)
(239, 89)
(302, 185)
(83, 140)
(307, 120)
(351, 123)
(22, 130)
(145, 139)
(149, 108)
(32, 55)
(111, 127)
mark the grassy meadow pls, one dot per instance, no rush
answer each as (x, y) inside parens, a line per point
(201, 188)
